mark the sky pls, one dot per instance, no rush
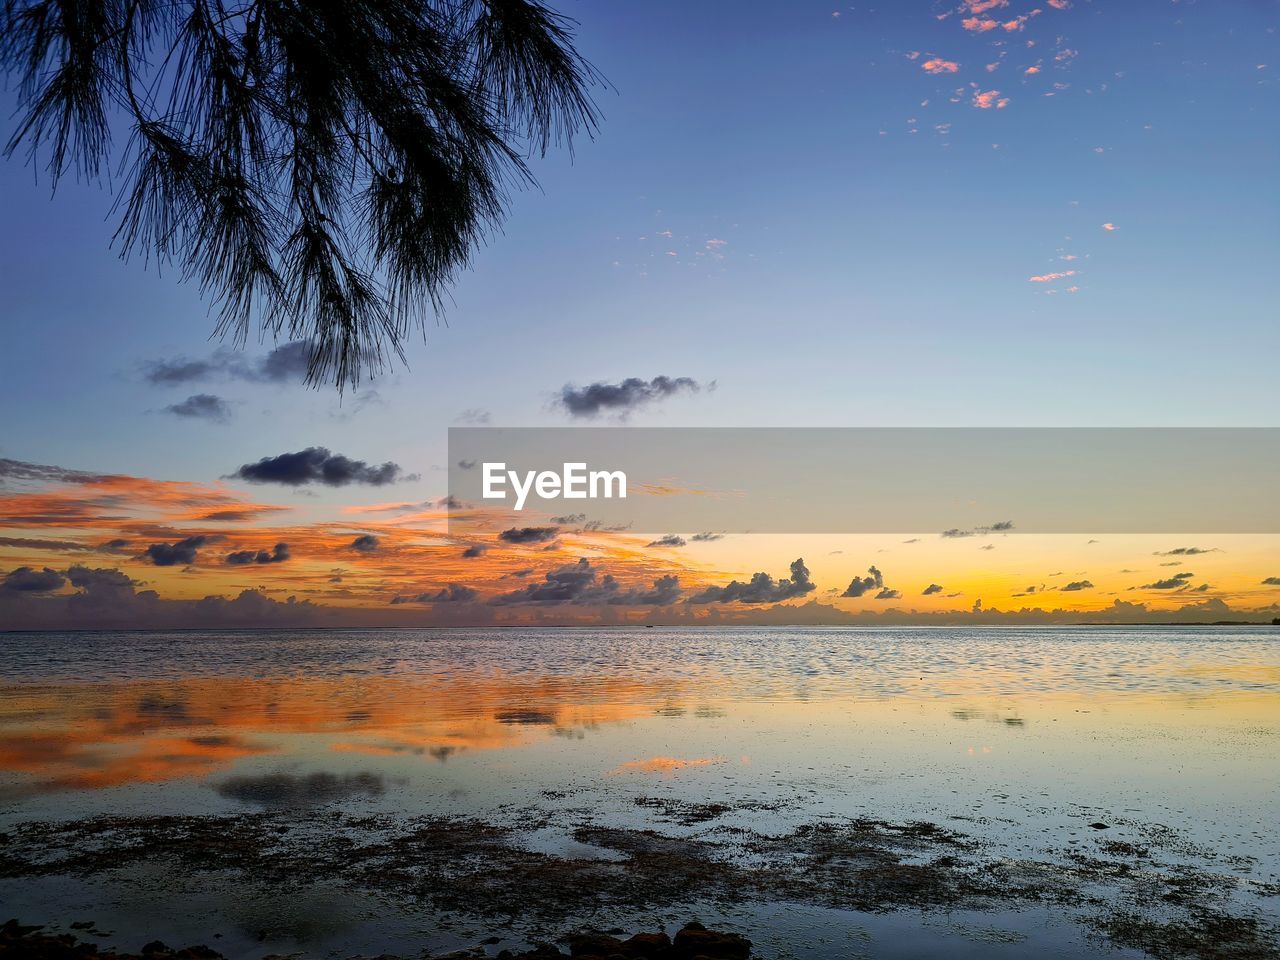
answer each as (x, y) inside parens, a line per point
(1054, 213)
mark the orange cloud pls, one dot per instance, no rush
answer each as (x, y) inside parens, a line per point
(981, 6)
(938, 65)
(1108, 227)
(1050, 277)
(979, 25)
(986, 99)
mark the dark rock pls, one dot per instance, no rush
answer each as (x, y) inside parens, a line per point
(1099, 825)
(647, 945)
(594, 945)
(696, 940)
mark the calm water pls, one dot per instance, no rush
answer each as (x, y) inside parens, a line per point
(1023, 736)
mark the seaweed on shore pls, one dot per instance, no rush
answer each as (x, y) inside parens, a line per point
(480, 870)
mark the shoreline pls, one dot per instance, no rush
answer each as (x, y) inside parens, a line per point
(1159, 894)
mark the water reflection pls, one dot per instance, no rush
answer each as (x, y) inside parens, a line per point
(107, 735)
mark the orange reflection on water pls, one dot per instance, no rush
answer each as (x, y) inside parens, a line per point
(667, 766)
(105, 735)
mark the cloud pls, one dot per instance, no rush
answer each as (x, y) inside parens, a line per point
(467, 464)
(23, 471)
(986, 99)
(31, 543)
(317, 465)
(1185, 551)
(529, 534)
(979, 24)
(473, 551)
(108, 598)
(858, 586)
(1271, 582)
(931, 589)
(287, 362)
(452, 593)
(1000, 526)
(761, 588)
(887, 594)
(289, 790)
(366, 543)
(938, 65)
(1176, 582)
(474, 416)
(706, 537)
(202, 406)
(670, 540)
(1050, 277)
(621, 398)
(178, 554)
(581, 583)
(28, 580)
(1075, 586)
(982, 6)
(246, 557)
(1109, 227)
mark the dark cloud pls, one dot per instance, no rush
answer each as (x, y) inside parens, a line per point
(1271, 582)
(365, 543)
(287, 362)
(858, 586)
(931, 589)
(529, 534)
(621, 398)
(706, 537)
(1000, 526)
(178, 554)
(113, 546)
(888, 594)
(43, 473)
(1185, 551)
(761, 588)
(202, 406)
(245, 557)
(99, 579)
(30, 543)
(467, 464)
(570, 519)
(473, 551)
(474, 416)
(453, 593)
(317, 465)
(1075, 586)
(165, 373)
(670, 540)
(289, 790)
(581, 583)
(1176, 582)
(28, 580)
(109, 598)
(232, 516)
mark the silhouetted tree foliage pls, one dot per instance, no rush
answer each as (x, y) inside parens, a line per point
(325, 166)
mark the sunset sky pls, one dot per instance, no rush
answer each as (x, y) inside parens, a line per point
(996, 213)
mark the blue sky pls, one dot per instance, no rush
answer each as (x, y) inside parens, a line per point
(867, 275)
